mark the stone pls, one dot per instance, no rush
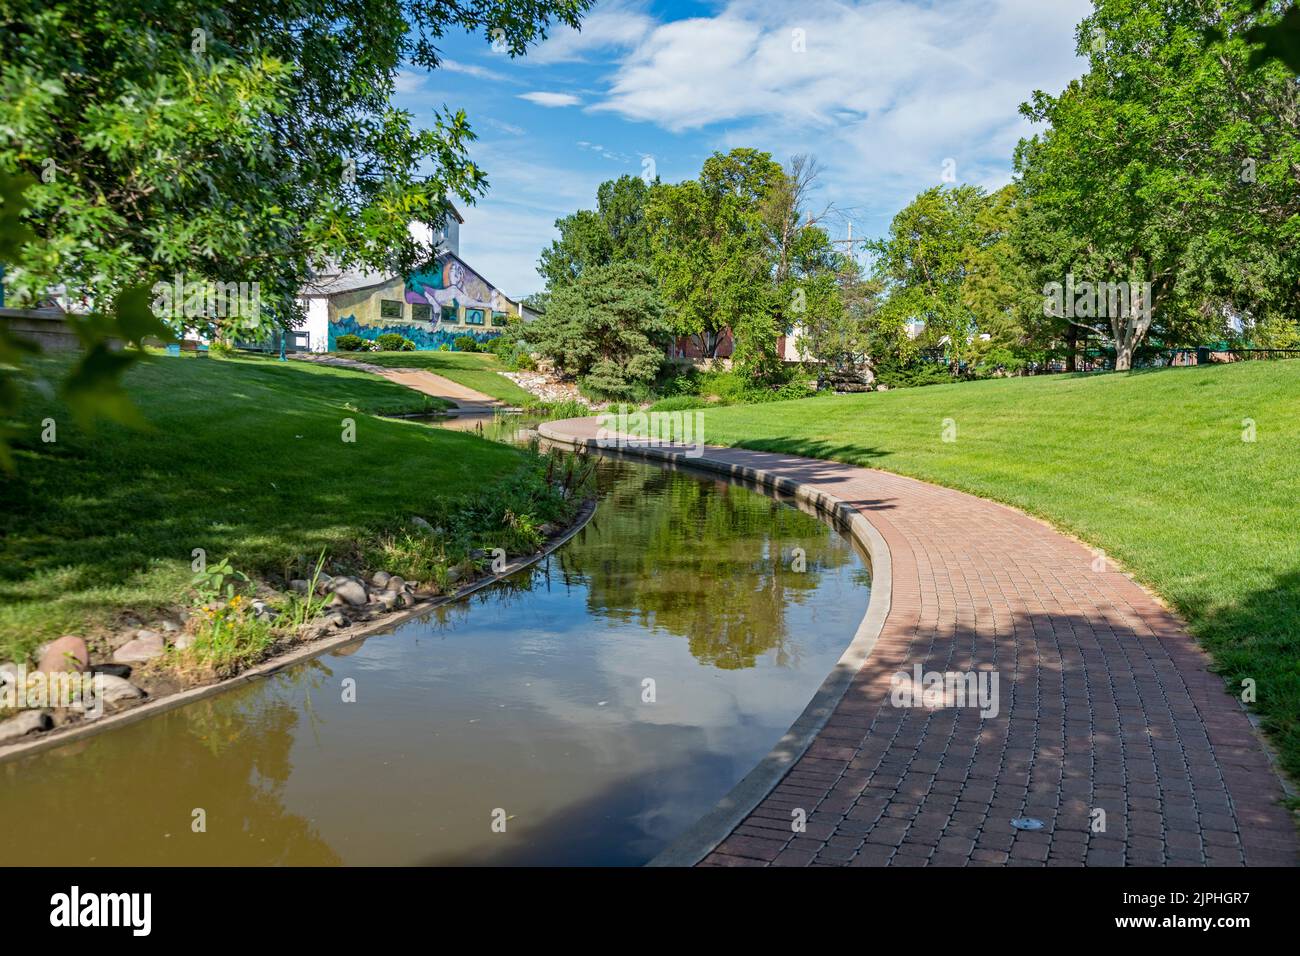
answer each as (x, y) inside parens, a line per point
(454, 575)
(380, 579)
(67, 653)
(395, 583)
(405, 599)
(146, 646)
(264, 613)
(299, 586)
(421, 524)
(170, 627)
(388, 599)
(350, 590)
(323, 582)
(337, 619)
(183, 641)
(113, 689)
(25, 723)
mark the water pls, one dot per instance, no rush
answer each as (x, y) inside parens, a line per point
(528, 704)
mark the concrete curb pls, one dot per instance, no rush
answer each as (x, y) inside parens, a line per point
(75, 732)
(716, 825)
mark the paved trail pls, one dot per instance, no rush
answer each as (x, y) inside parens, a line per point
(468, 402)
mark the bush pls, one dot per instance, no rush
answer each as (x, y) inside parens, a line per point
(898, 373)
(352, 343)
(392, 342)
(681, 403)
(466, 343)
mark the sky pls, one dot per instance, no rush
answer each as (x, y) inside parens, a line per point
(890, 96)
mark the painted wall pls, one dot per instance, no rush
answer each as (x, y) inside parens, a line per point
(457, 300)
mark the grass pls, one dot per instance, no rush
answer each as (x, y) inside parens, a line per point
(477, 370)
(245, 458)
(1151, 467)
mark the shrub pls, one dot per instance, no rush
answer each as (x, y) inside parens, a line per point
(681, 403)
(392, 342)
(898, 373)
(466, 343)
(352, 343)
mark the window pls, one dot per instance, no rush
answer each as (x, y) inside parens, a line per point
(498, 318)
(421, 312)
(390, 309)
(474, 317)
(449, 314)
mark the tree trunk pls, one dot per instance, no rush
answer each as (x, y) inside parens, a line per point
(1072, 342)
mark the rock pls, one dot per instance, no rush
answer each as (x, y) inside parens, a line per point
(388, 599)
(548, 529)
(183, 641)
(264, 613)
(68, 653)
(454, 575)
(396, 584)
(112, 670)
(380, 579)
(421, 524)
(114, 689)
(146, 646)
(337, 619)
(170, 627)
(350, 590)
(25, 723)
(299, 586)
(405, 599)
(323, 582)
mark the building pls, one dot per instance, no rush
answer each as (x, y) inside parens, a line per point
(432, 306)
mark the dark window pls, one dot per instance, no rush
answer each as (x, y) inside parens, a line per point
(498, 318)
(474, 317)
(390, 309)
(421, 312)
(449, 314)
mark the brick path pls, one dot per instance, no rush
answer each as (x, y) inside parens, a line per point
(1105, 704)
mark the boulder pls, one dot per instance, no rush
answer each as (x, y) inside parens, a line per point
(380, 579)
(68, 653)
(113, 689)
(388, 599)
(350, 590)
(146, 646)
(421, 524)
(299, 586)
(395, 583)
(25, 723)
(183, 641)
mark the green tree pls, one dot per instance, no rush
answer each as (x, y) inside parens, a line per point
(615, 231)
(607, 329)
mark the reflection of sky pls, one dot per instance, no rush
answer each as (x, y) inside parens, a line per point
(532, 704)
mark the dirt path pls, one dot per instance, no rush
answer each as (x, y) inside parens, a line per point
(468, 402)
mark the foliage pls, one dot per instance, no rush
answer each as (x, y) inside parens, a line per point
(392, 342)
(466, 343)
(217, 582)
(607, 329)
(615, 231)
(895, 372)
(352, 343)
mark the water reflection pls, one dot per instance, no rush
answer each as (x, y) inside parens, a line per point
(530, 698)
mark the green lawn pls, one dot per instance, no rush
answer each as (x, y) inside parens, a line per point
(1149, 466)
(245, 459)
(477, 370)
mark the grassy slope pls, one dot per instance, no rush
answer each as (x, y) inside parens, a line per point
(245, 459)
(1151, 467)
(476, 370)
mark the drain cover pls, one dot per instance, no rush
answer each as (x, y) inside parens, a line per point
(1027, 823)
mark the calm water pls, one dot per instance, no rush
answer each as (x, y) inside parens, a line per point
(529, 700)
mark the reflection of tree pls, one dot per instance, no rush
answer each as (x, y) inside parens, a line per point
(702, 559)
(127, 798)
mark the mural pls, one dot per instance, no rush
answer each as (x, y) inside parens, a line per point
(425, 335)
(456, 299)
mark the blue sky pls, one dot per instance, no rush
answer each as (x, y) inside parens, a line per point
(883, 93)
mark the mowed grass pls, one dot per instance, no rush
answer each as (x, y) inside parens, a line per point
(243, 458)
(1151, 467)
(477, 370)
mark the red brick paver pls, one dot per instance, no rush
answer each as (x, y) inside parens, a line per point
(1106, 704)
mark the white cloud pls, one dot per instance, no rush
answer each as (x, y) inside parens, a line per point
(616, 25)
(408, 81)
(550, 99)
(474, 70)
(882, 92)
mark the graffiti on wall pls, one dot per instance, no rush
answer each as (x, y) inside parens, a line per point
(425, 335)
(451, 283)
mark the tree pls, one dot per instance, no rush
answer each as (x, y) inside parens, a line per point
(1172, 162)
(607, 328)
(615, 231)
(710, 254)
(227, 143)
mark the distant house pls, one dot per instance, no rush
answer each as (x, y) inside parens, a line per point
(432, 306)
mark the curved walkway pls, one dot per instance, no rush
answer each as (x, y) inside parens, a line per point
(468, 402)
(1105, 704)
